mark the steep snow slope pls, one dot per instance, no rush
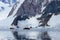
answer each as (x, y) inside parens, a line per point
(4, 13)
(55, 20)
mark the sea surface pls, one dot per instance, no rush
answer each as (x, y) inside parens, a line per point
(8, 35)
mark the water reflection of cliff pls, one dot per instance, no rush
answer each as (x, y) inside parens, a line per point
(45, 36)
(31, 35)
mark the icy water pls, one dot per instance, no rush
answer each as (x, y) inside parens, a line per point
(7, 35)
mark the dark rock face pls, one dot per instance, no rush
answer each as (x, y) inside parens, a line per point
(44, 19)
(30, 8)
(19, 18)
(54, 8)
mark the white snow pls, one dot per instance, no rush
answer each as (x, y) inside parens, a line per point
(32, 22)
(4, 21)
(54, 35)
(55, 20)
(4, 13)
